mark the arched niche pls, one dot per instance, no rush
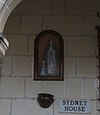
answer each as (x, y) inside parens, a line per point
(49, 56)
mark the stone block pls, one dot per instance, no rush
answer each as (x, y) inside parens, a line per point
(86, 67)
(31, 45)
(74, 7)
(34, 7)
(5, 106)
(33, 88)
(69, 66)
(18, 44)
(65, 40)
(31, 24)
(13, 24)
(90, 23)
(56, 110)
(22, 66)
(58, 7)
(6, 65)
(81, 46)
(29, 106)
(75, 88)
(11, 87)
(91, 7)
(90, 89)
(66, 25)
(79, 7)
(93, 107)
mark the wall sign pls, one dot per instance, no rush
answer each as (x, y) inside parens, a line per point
(75, 106)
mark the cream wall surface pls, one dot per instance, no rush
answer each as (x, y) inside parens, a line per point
(75, 21)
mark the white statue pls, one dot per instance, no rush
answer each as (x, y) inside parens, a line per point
(51, 59)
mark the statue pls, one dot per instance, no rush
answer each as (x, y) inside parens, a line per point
(43, 71)
(49, 63)
(51, 59)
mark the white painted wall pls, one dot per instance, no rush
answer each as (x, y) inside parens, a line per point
(75, 21)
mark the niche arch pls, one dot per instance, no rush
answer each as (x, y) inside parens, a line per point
(49, 56)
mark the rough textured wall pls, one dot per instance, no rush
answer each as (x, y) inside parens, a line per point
(75, 21)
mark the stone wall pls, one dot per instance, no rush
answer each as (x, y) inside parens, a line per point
(75, 21)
